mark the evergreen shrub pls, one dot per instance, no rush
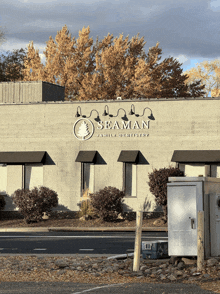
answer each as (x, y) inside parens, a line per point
(158, 180)
(107, 203)
(33, 203)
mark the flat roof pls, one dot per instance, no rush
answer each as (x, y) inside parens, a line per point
(31, 82)
(114, 101)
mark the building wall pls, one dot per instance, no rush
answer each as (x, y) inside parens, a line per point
(178, 125)
(34, 91)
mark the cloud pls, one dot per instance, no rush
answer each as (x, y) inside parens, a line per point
(182, 58)
(184, 28)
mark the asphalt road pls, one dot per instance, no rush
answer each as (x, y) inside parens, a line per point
(106, 243)
(75, 288)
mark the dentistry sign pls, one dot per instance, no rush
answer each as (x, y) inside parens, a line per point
(84, 128)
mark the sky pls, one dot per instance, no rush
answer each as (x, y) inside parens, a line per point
(188, 30)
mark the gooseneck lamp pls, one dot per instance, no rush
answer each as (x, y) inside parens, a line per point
(106, 111)
(77, 112)
(132, 112)
(96, 119)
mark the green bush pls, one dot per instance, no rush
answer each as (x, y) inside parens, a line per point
(158, 180)
(33, 203)
(107, 203)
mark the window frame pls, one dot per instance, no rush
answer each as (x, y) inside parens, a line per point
(24, 172)
(133, 179)
(91, 175)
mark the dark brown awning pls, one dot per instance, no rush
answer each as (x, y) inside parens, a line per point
(129, 156)
(86, 156)
(22, 157)
(194, 156)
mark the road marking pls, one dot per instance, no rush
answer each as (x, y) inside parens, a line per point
(9, 248)
(40, 249)
(94, 237)
(86, 249)
(97, 288)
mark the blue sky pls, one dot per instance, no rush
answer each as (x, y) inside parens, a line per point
(188, 30)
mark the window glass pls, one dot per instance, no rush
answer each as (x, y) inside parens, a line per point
(87, 177)
(130, 179)
(194, 170)
(14, 178)
(3, 179)
(217, 171)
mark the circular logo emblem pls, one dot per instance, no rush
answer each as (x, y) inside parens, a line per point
(83, 129)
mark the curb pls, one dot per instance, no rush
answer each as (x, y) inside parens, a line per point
(107, 229)
(82, 229)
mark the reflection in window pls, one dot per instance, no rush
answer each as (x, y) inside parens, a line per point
(87, 177)
(130, 179)
(3, 179)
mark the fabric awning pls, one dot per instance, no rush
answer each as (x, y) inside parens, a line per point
(22, 157)
(194, 156)
(86, 156)
(129, 156)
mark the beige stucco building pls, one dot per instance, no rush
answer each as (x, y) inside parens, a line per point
(71, 146)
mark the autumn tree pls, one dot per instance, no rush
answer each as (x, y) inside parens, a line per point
(208, 72)
(2, 36)
(67, 61)
(12, 65)
(107, 68)
(33, 68)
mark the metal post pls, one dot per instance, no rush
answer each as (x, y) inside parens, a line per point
(200, 241)
(137, 248)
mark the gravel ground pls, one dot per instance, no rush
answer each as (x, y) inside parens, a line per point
(90, 270)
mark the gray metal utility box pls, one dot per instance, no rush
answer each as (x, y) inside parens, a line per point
(185, 197)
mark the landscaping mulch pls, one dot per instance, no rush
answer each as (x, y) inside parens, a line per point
(12, 223)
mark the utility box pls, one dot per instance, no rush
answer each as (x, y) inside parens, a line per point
(185, 197)
(154, 249)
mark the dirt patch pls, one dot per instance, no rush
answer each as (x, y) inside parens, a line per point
(154, 222)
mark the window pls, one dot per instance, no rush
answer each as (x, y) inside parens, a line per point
(130, 181)
(194, 170)
(33, 176)
(15, 178)
(197, 169)
(3, 179)
(87, 177)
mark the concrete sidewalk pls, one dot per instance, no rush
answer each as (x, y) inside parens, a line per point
(82, 229)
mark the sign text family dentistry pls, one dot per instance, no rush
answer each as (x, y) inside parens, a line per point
(84, 129)
(123, 125)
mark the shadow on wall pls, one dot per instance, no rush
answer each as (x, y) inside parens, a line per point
(142, 159)
(148, 206)
(99, 159)
(10, 206)
(48, 160)
(62, 212)
(60, 207)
